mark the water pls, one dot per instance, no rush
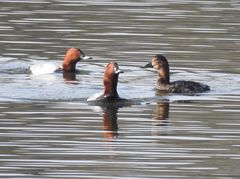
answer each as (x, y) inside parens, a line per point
(48, 130)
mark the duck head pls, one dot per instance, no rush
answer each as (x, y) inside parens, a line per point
(110, 80)
(73, 55)
(160, 63)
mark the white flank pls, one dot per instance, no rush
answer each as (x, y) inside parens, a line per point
(94, 97)
(45, 68)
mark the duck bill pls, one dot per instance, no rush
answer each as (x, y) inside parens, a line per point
(149, 65)
(85, 58)
(119, 71)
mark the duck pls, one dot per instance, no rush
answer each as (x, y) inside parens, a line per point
(110, 82)
(160, 63)
(72, 57)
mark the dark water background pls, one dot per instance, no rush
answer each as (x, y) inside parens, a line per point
(47, 128)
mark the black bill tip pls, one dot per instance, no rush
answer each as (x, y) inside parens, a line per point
(149, 65)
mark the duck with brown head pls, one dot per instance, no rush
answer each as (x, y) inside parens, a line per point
(110, 81)
(160, 63)
(72, 57)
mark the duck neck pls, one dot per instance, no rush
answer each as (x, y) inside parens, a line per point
(110, 87)
(164, 78)
(69, 66)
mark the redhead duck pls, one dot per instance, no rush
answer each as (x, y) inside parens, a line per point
(110, 81)
(73, 55)
(160, 63)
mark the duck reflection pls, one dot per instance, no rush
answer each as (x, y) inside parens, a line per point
(161, 113)
(110, 125)
(161, 118)
(69, 77)
(110, 117)
(162, 109)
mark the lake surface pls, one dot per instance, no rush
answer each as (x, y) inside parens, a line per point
(48, 130)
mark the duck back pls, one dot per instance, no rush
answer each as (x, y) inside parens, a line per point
(187, 87)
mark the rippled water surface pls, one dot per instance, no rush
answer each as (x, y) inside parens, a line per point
(48, 130)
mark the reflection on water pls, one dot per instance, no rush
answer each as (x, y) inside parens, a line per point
(69, 77)
(48, 130)
(161, 113)
(49, 139)
(110, 116)
(110, 124)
